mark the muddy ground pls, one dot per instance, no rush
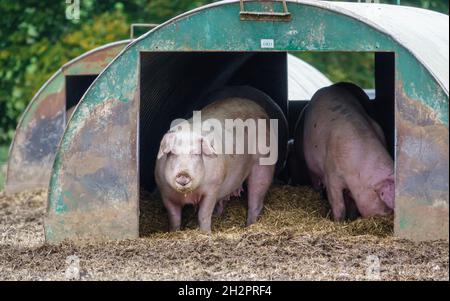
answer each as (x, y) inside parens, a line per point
(293, 240)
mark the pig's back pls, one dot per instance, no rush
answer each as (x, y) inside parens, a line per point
(335, 109)
(335, 123)
(237, 166)
(234, 108)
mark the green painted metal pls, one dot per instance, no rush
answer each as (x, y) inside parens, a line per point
(421, 114)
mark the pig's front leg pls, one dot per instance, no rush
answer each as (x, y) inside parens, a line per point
(351, 209)
(258, 182)
(205, 212)
(335, 193)
(174, 213)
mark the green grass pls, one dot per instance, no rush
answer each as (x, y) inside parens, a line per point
(3, 159)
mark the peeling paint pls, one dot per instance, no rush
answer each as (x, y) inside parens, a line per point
(42, 124)
(422, 170)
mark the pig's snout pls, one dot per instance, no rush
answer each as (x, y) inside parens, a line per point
(183, 180)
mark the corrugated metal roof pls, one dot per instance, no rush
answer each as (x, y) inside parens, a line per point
(424, 33)
(303, 79)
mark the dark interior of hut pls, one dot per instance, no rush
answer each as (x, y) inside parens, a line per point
(184, 78)
(76, 86)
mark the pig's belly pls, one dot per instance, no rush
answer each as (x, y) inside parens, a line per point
(314, 155)
(238, 169)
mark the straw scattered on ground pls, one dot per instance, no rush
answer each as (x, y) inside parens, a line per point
(293, 240)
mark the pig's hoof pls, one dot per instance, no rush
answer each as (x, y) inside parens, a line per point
(251, 222)
(174, 229)
(205, 231)
(339, 219)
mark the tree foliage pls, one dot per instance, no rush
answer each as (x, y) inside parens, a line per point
(36, 39)
(356, 67)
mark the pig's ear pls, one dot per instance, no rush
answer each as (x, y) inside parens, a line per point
(166, 144)
(207, 147)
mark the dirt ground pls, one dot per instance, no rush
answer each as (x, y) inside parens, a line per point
(293, 240)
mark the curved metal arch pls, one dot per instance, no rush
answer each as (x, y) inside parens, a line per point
(42, 123)
(421, 114)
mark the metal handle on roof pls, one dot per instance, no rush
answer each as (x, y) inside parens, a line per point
(265, 16)
(134, 25)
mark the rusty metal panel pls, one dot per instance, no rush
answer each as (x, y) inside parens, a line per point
(422, 168)
(421, 146)
(102, 155)
(42, 124)
(36, 138)
(94, 61)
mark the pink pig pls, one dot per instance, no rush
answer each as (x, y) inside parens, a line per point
(190, 170)
(345, 152)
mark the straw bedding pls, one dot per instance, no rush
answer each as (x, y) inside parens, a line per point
(293, 240)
